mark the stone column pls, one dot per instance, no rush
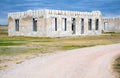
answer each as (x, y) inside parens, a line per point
(78, 26)
(69, 25)
(85, 25)
(59, 23)
(100, 25)
(93, 24)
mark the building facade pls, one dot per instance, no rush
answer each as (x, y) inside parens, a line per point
(54, 23)
(111, 24)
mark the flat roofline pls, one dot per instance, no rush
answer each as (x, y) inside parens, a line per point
(96, 11)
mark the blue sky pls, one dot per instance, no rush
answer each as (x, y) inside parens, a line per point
(109, 8)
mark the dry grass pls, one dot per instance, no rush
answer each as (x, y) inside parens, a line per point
(12, 49)
(116, 67)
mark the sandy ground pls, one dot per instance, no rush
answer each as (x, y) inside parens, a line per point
(93, 62)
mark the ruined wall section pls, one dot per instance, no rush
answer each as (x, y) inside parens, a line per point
(60, 14)
(111, 24)
(26, 23)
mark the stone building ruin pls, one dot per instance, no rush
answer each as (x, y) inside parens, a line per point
(55, 23)
(111, 24)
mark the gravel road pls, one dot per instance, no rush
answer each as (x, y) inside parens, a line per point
(92, 62)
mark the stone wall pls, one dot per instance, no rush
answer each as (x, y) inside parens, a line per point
(111, 24)
(45, 19)
(26, 23)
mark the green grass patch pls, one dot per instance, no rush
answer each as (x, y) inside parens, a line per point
(41, 40)
(10, 44)
(18, 62)
(12, 51)
(68, 47)
(107, 32)
(3, 67)
(3, 30)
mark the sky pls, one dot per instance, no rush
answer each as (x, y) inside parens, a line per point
(109, 8)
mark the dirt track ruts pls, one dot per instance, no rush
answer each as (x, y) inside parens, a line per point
(93, 62)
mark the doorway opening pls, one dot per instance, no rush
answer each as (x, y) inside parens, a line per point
(105, 25)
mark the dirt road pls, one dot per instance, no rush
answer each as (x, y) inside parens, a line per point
(93, 62)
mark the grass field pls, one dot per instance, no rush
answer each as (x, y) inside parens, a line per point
(14, 50)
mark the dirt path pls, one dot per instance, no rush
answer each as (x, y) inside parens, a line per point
(93, 62)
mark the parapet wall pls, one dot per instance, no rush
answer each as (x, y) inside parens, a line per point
(72, 13)
(111, 19)
(37, 13)
(33, 13)
(111, 24)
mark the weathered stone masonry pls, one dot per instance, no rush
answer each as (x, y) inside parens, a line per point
(111, 24)
(54, 23)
